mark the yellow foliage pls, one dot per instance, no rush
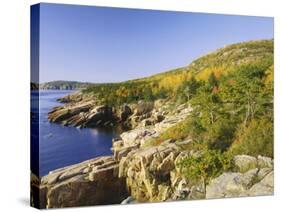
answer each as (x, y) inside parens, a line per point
(172, 82)
(269, 75)
(205, 73)
(189, 75)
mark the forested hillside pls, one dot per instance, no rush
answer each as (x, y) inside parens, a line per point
(230, 91)
(180, 83)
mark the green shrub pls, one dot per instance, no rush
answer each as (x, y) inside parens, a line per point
(207, 165)
(220, 134)
(254, 139)
(189, 128)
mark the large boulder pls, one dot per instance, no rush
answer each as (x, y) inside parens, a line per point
(230, 184)
(245, 162)
(60, 114)
(148, 172)
(264, 187)
(236, 184)
(92, 182)
(82, 114)
(265, 162)
(135, 136)
(98, 116)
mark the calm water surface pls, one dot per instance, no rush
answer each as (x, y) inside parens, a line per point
(60, 146)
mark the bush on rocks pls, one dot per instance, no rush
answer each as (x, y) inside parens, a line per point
(255, 139)
(206, 165)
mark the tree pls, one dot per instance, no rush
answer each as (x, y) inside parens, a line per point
(212, 81)
(188, 89)
(147, 94)
(209, 105)
(244, 91)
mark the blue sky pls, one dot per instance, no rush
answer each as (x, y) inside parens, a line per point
(97, 44)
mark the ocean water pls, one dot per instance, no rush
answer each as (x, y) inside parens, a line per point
(58, 145)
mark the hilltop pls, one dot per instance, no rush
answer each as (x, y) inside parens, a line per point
(171, 84)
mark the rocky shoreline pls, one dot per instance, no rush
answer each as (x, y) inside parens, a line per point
(150, 175)
(137, 172)
(82, 111)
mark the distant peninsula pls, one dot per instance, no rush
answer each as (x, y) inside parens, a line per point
(64, 85)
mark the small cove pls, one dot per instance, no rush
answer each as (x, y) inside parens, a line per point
(60, 146)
